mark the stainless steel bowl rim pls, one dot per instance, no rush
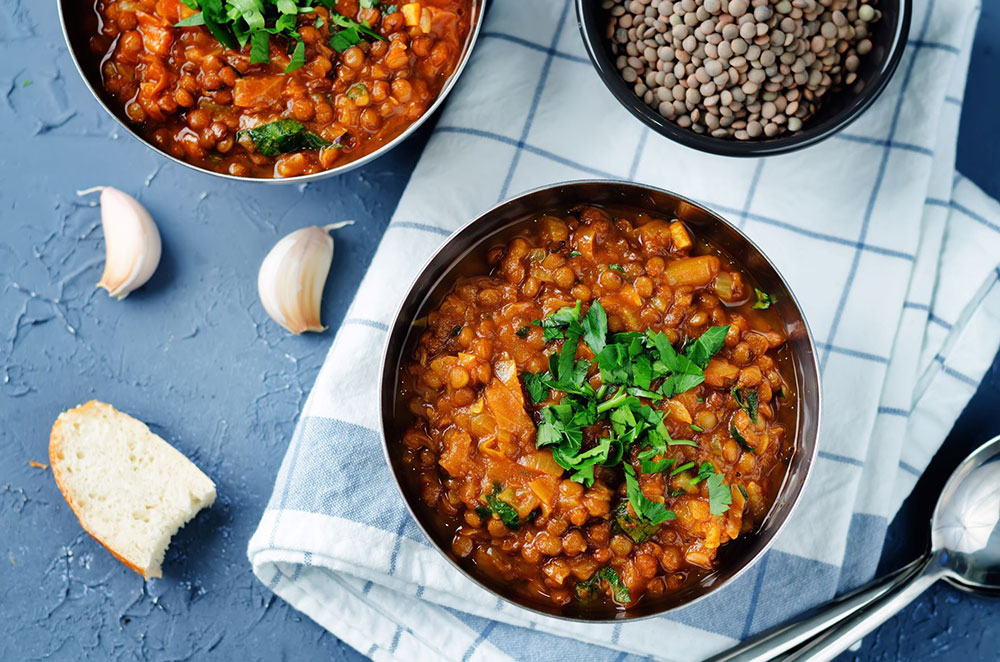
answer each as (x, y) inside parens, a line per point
(383, 374)
(299, 179)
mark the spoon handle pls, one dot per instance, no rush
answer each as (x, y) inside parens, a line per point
(841, 636)
(770, 644)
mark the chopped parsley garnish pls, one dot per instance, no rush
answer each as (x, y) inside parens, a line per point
(696, 428)
(589, 588)
(743, 491)
(741, 440)
(457, 330)
(617, 268)
(653, 511)
(681, 469)
(575, 253)
(281, 137)
(705, 471)
(506, 512)
(748, 401)
(235, 23)
(719, 495)
(632, 365)
(522, 332)
(762, 300)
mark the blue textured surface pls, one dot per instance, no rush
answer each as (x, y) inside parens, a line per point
(194, 355)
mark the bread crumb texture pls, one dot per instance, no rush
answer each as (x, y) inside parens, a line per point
(129, 488)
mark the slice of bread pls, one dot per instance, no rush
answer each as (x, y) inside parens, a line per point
(129, 488)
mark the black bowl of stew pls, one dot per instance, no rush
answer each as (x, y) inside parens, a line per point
(326, 94)
(496, 481)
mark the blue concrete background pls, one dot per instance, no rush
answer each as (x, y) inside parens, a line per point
(195, 356)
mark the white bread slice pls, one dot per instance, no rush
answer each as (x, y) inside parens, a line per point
(129, 488)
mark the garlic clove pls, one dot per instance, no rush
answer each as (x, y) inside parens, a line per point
(292, 276)
(131, 242)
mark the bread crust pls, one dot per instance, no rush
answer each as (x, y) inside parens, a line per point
(56, 439)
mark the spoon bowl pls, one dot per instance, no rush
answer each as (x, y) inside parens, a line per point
(965, 528)
(965, 551)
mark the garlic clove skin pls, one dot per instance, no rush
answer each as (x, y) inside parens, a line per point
(131, 242)
(292, 277)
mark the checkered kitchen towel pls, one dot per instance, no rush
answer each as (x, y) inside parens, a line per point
(893, 256)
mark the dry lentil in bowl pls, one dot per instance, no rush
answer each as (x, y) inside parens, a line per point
(597, 415)
(743, 69)
(273, 94)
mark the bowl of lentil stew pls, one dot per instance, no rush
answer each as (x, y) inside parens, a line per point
(638, 470)
(342, 83)
(713, 74)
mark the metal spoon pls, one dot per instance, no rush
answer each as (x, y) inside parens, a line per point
(965, 551)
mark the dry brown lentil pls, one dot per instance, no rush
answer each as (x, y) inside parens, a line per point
(767, 61)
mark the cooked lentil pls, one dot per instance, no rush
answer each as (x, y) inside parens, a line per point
(472, 436)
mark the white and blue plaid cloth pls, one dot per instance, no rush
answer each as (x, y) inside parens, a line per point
(893, 255)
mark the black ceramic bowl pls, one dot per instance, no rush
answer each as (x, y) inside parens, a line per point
(839, 107)
(464, 253)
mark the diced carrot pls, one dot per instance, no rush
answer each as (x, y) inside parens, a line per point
(680, 237)
(457, 445)
(157, 37)
(720, 373)
(545, 488)
(696, 271)
(256, 91)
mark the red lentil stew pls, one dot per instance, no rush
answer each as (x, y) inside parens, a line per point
(600, 413)
(276, 88)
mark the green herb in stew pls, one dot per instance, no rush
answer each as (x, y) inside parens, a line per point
(748, 400)
(762, 300)
(281, 137)
(506, 512)
(589, 589)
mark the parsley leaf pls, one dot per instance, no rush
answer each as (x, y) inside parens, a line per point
(260, 47)
(653, 511)
(681, 469)
(595, 327)
(506, 512)
(748, 401)
(719, 495)
(634, 527)
(705, 471)
(588, 589)
(762, 300)
(741, 440)
(522, 332)
(707, 345)
(537, 385)
(281, 137)
(298, 58)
